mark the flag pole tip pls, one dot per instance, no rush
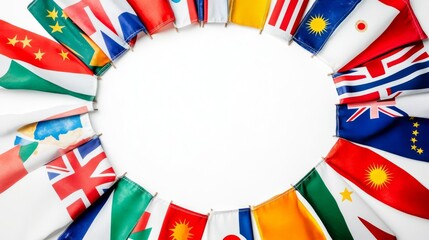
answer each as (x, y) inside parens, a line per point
(99, 134)
(260, 32)
(156, 194)
(226, 25)
(330, 74)
(290, 42)
(177, 30)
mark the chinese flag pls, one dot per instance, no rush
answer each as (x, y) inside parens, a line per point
(380, 178)
(180, 223)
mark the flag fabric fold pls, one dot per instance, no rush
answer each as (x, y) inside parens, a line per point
(401, 72)
(91, 17)
(48, 14)
(379, 178)
(216, 11)
(39, 143)
(419, 7)
(32, 62)
(250, 13)
(149, 225)
(284, 17)
(113, 216)
(155, 15)
(342, 211)
(184, 11)
(285, 217)
(235, 224)
(54, 195)
(380, 125)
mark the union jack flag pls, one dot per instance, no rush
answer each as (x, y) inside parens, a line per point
(404, 70)
(81, 176)
(387, 107)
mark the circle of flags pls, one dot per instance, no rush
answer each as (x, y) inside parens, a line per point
(55, 174)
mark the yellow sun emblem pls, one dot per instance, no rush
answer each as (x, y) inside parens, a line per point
(181, 231)
(317, 25)
(378, 176)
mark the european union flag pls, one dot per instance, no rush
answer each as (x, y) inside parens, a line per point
(380, 127)
(321, 21)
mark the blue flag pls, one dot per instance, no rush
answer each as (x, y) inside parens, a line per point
(380, 127)
(200, 9)
(321, 21)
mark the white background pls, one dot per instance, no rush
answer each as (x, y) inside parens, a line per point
(217, 118)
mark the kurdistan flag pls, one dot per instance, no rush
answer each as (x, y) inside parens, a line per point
(113, 216)
(31, 62)
(39, 143)
(61, 27)
(51, 197)
(344, 214)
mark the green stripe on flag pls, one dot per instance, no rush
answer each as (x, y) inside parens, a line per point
(143, 235)
(48, 14)
(314, 190)
(19, 77)
(129, 203)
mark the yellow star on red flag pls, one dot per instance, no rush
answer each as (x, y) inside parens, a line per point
(39, 55)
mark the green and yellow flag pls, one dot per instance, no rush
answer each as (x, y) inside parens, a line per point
(61, 28)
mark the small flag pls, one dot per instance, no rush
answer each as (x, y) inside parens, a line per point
(235, 224)
(113, 216)
(154, 14)
(200, 9)
(379, 178)
(216, 11)
(321, 21)
(342, 211)
(39, 143)
(403, 71)
(53, 196)
(184, 11)
(85, 14)
(48, 14)
(32, 62)
(285, 217)
(150, 223)
(380, 125)
(181, 223)
(250, 13)
(284, 17)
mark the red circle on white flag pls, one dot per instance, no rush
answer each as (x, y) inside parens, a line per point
(361, 26)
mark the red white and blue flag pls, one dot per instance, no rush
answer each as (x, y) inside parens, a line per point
(402, 72)
(51, 197)
(109, 24)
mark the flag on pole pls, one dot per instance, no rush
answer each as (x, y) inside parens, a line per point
(250, 13)
(48, 14)
(154, 14)
(181, 223)
(184, 11)
(216, 11)
(113, 216)
(31, 62)
(235, 224)
(150, 223)
(379, 125)
(321, 21)
(367, 34)
(285, 217)
(284, 17)
(403, 71)
(379, 178)
(39, 143)
(84, 14)
(53, 196)
(200, 9)
(342, 211)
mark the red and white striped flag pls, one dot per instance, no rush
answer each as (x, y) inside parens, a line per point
(285, 16)
(184, 12)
